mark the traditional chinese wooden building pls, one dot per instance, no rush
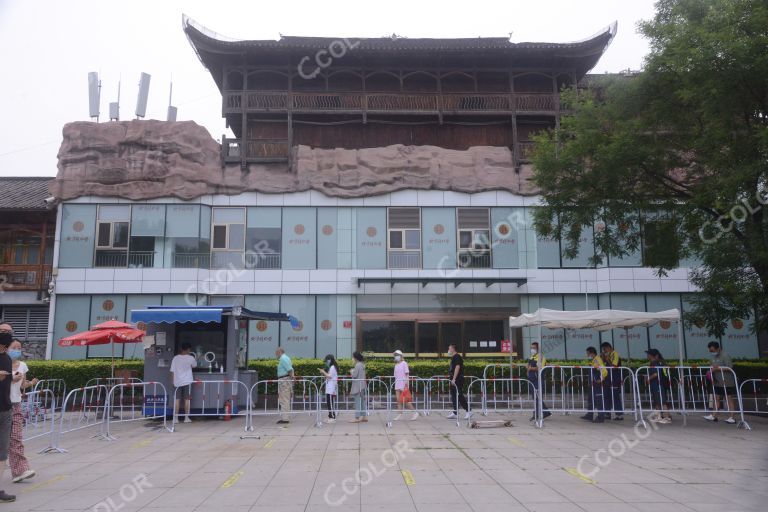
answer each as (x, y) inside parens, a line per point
(370, 92)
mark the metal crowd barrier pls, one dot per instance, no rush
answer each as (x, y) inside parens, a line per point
(693, 390)
(522, 396)
(584, 389)
(261, 399)
(126, 405)
(82, 408)
(110, 381)
(37, 411)
(751, 397)
(419, 388)
(440, 398)
(215, 394)
(376, 397)
(58, 388)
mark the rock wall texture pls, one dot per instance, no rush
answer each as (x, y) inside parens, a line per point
(150, 159)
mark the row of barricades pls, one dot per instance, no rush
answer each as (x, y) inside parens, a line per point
(657, 392)
(594, 392)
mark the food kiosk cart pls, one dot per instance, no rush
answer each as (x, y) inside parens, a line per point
(219, 339)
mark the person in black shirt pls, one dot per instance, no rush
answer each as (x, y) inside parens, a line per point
(456, 374)
(6, 415)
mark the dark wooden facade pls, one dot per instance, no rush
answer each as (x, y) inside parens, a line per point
(360, 93)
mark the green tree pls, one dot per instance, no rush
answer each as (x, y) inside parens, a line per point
(678, 152)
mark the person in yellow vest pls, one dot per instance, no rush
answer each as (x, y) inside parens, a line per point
(597, 375)
(535, 363)
(613, 385)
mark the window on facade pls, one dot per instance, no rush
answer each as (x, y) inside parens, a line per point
(263, 247)
(384, 337)
(404, 238)
(474, 237)
(228, 232)
(191, 252)
(112, 234)
(660, 248)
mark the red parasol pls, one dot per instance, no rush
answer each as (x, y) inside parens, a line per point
(101, 334)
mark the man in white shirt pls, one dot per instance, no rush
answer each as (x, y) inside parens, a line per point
(181, 368)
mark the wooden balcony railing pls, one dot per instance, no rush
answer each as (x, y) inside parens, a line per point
(24, 277)
(388, 102)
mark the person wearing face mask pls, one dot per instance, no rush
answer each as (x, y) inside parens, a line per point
(535, 363)
(723, 382)
(6, 420)
(456, 374)
(402, 374)
(20, 469)
(331, 374)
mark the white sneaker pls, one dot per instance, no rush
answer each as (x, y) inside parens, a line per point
(330, 420)
(27, 474)
(415, 416)
(175, 420)
(468, 415)
(709, 417)
(730, 420)
(187, 420)
(398, 416)
(665, 421)
(452, 415)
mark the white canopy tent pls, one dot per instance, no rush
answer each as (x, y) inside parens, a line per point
(600, 320)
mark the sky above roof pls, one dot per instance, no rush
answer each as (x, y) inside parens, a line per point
(48, 48)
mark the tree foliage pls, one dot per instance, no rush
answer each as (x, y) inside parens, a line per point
(684, 144)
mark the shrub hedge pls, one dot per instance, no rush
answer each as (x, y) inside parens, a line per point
(77, 373)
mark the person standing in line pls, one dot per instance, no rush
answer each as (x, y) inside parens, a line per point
(402, 391)
(597, 375)
(6, 420)
(20, 469)
(181, 369)
(284, 385)
(723, 382)
(357, 389)
(456, 374)
(535, 363)
(331, 374)
(658, 383)
(613, 385)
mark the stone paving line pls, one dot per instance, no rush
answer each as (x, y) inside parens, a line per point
(423, 465)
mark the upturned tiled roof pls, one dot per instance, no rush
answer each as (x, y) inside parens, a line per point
(24, 193)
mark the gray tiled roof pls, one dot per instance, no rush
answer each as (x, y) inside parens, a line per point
(24, 193)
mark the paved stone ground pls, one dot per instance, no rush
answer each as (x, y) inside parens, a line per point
(206, 466)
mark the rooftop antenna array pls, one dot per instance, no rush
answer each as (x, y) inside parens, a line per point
(94, 95)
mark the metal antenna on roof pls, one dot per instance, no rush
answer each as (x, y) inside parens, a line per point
(141, 101)
(94, 95)
(172, 111)
(114, 107)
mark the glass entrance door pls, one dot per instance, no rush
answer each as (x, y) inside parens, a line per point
(428, 337)
(450, 333)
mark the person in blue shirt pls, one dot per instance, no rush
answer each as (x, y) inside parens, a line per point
(284, 384)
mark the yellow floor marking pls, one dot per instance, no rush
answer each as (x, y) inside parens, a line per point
(575, 472)
(47, 482)
(232, 480)
(515, 441)
(141, 444)
(269, 443)
(408, 477)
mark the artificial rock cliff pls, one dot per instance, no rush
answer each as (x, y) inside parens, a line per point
(142, 160)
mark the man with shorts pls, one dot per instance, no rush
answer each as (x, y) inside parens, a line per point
(6, 407)
(181, 368)
(723, 382)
